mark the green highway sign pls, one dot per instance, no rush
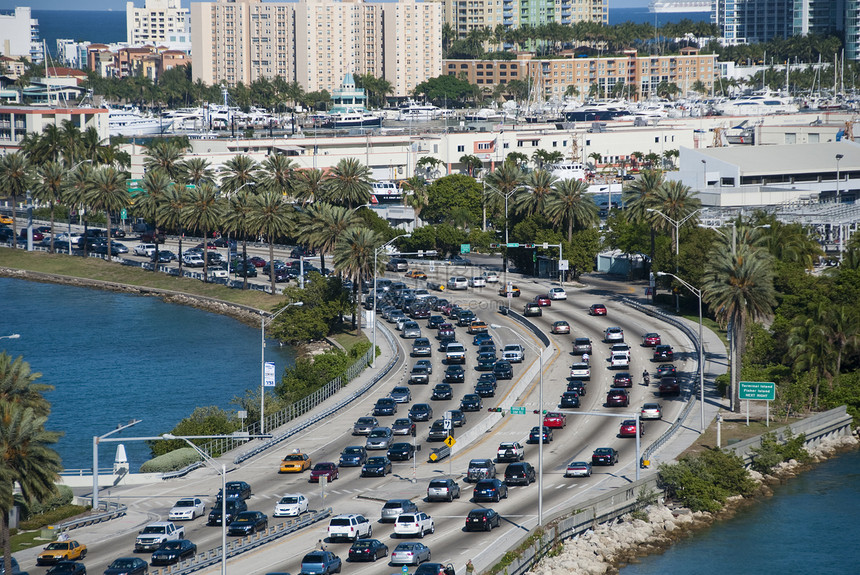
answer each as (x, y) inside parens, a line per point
(518, 411)
(465, 248)
(760, 390)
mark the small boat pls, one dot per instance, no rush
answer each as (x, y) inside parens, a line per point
(128, 121)
(568, 170)
(352, 119)
(413, 111)
(386, 191)
(484, 115)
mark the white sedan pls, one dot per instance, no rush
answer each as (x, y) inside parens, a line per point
(619, 361)
(414, 524)
(580, 371)
(187, 509)
(291, 505)
(477, 281)
(491, 277)
(578, 469)
(557, 293)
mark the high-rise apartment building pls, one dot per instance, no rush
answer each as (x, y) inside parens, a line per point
(159, 22)
(317, 42)
(19, 34)
(467, 15)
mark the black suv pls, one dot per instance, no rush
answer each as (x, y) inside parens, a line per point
(234, 507)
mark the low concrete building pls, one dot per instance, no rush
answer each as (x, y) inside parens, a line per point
(17, 121)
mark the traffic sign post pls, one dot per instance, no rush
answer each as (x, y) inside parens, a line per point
(757, 391)
(518, 410)
(465, 248)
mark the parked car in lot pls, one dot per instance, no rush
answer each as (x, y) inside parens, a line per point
(376, 466)
(490, 490)
(578, 469)
(367, 550)
(393, 508)
(482, 520)
(597, 309)
(320, 563)
(410, 553)
(417, 524)
(365, 425)
(520, 473)
(617, 398)
(291, 505)
(604, 456)
(443, 490)
(651, 411)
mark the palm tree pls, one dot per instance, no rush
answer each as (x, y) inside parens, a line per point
(348, 183)
(277, 174)
(170, 212)
(156, 184)
(354, 258)
(237, 221)
(533, 200)
(309, 186)
(238, 171)
(418, 198)
(203, 213)
(740, 287)
(14, 182)
(324, 226)
(675, 201)
(26, 461)
(164, 154)
(77, 188)
(50, 179)
(108, 191)
(18, 385)
(640, 196)
(569, 204)
(504, 180)
(197, 170)
(471, 163)
(273, 218)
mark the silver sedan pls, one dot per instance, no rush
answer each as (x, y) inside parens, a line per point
(410, 553)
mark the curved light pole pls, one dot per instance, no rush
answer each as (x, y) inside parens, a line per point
(677, 224)
(263, 323)
(698, 293)
(540, 415)
(96, 439)
(507, 196)
(375, 275)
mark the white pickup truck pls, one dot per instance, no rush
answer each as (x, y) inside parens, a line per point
(513, 353)
(154, 534)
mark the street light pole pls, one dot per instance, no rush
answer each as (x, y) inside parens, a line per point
(507, 196)
(540, 415)
(263, 323)
(698, 293)
(96, 439)
(376, 297)
(677, 224)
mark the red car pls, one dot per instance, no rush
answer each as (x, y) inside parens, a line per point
(628, 428)
(651, 339)
(37, 235)
(622, 379)
(543, 300)
(326, 469)
(617, 398)
(257, 261)
(209, 246)
(597, 309)
(557, 420)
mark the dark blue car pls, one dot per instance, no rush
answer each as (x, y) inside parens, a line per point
(503, 370)
(353, 456)
(320, 563)
(490, 490)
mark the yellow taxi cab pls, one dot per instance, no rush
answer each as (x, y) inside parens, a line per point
(5, 220)
(478, 326)
(61, 551)
(515, 291)
(295, 463)
(416, 274)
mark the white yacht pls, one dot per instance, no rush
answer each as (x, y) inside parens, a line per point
(484, 115)
(128, 121)
(385, 191)
(413, 111)
(758, 105)
(568, 170)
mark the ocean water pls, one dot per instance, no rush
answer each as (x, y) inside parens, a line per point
(109, 26)
(808, 527)
(116, 357)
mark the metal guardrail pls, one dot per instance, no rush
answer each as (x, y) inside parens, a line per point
(112, 511)
(332, 410)
(243, 545)
(181, 472)
(88, 471)
(691, 399)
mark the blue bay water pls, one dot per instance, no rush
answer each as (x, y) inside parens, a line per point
(808, 527)
(116, 357)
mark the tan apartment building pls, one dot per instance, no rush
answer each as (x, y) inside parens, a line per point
(554, 76)
(317, 42)
(158, 22)
(467, 15)
(146, 61)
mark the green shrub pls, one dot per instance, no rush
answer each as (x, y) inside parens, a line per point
(704, 481)
(210, 420)
(62, 496)
(772, 452)
(53, 517)
(172, 461)
(359, 349)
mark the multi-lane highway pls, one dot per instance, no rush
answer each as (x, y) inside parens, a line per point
(353, 494)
